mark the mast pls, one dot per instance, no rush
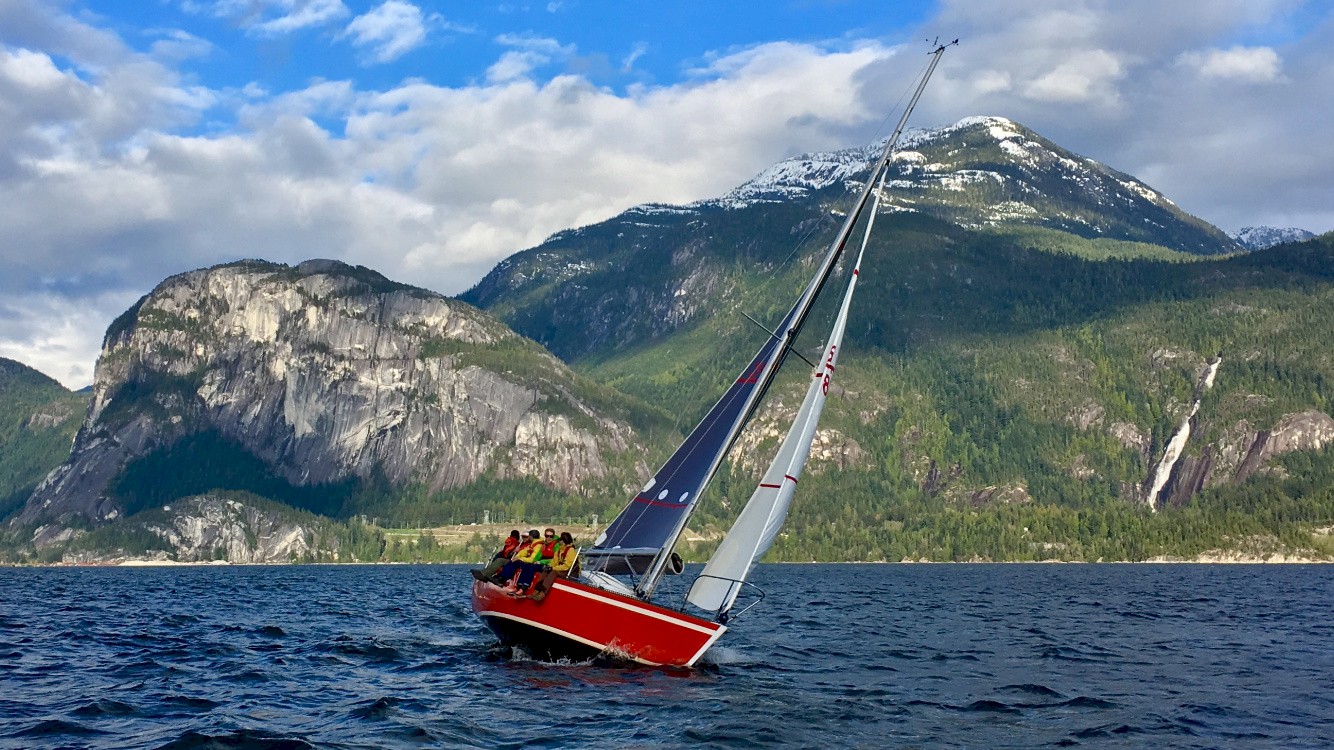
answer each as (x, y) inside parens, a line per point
(687, 472)
(758, 523)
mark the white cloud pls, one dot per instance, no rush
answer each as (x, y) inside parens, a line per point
(271, 17)
(105, 193)
(528, 54)
(637, 51)
(513, 65)
(54, 334)
(176, 45)
(391, 30)
(1248, 64)
(1083, 77)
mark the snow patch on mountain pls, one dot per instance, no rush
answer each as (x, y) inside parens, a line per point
(1259, 238)
(798, 176)
(792, 178)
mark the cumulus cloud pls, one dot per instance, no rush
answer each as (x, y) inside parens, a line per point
(389, 31)
(528, 54)
(1253, 64)
(107, 189)
(1087, 76)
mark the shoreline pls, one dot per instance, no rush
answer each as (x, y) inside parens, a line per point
(1202, 560)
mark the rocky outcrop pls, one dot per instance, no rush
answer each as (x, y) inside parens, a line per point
(208, 528)
(830, 448)
(211, 527)
(327, 372)
(1242, 451)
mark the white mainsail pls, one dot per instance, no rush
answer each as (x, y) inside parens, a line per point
(757, 526)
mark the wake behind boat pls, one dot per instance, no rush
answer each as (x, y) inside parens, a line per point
(607, 607)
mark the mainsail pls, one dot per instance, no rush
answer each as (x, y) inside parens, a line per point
(640, 539)
(757, 526)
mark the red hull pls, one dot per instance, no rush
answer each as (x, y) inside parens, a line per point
(579, 621)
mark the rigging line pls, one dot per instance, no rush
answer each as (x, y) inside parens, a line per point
(907, 91)
(816, 226)
(773, 335)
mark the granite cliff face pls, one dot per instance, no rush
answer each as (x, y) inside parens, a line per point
(213, 527)
(325, 373)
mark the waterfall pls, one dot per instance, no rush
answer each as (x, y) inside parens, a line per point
(1178, 442)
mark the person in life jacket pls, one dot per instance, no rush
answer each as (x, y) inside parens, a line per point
(564, 565)
(547, 552)
(526, 553)
(501, 557)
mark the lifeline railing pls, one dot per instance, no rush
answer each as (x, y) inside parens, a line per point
(727, 616)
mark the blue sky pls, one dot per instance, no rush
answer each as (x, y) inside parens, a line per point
(616, 44)
(429, 140)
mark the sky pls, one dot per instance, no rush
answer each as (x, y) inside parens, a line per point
(430, 140)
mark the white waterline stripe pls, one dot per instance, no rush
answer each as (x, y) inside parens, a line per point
(645, 612)
(601, 647)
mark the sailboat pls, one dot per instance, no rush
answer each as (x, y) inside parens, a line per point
(608, 609)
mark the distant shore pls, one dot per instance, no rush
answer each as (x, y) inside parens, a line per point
(1277, 559)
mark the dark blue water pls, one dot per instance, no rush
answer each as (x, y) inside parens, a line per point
(874, 656)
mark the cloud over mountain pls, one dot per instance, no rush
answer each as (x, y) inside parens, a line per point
(118, 168)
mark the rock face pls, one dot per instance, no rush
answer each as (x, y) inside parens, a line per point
(1243, 451)
(213, 527)
(327, 372)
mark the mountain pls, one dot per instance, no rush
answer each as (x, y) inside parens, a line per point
(1259, 238)
(1032, 336)
(1029, 334)
(38, 419)
(330, 388)
(655, 269)
(990, 172)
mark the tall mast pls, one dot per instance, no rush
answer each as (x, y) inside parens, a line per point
(793, 322)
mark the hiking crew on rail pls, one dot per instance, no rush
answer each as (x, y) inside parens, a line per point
(529, 567)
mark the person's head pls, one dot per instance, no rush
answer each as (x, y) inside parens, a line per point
(566, 538)
(551, 533)
(534, 534)
(514, 534)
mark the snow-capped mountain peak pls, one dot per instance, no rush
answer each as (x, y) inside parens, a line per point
(1259, 238)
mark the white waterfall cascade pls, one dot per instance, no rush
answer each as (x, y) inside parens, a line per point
(1178, 441)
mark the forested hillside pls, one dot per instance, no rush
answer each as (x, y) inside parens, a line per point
(1031, 330)
(1003, 402)
(38, 419)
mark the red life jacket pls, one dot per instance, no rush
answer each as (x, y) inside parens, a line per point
(549, 550)
(511, 544)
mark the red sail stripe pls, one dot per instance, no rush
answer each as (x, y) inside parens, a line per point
(659, 503)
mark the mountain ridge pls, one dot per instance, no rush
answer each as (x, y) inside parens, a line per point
(322, 375)
(1007, 384)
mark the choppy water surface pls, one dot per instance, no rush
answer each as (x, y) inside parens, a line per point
(856, 656)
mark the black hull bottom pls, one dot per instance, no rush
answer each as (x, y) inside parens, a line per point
(538, 643)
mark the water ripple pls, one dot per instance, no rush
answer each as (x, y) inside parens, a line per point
(391, 656)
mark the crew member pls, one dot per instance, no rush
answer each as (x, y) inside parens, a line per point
(526, 553)
(547, 552)
(563, 566)
(501, 557)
